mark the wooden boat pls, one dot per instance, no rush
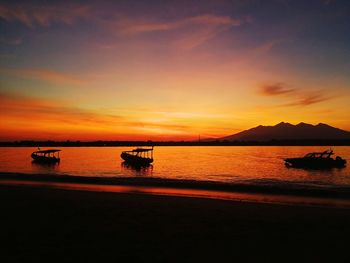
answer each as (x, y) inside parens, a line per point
(138, 156)
(316, 160)
(47, 156)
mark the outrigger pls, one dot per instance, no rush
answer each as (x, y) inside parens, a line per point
(316, 160)
(138, 156)
(47, 156)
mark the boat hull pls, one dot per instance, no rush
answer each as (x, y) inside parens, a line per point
(315, 163)
(136, 160)
(45, 159)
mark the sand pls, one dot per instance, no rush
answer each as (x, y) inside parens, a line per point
(56, 225)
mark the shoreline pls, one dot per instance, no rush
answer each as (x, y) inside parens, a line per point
(338, 197)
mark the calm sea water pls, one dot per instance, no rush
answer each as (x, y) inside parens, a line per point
(256, 164)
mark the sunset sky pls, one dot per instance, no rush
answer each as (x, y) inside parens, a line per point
(170, 70)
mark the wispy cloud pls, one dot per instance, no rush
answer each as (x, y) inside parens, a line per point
(44, 15)
(269, 45)
(190, 40)
(24, 109)
(130, 27)
(29, 114)
(294, 96)
(188, 115)
(43, 75)
(309, 99)
(275, 89)
(190, 31)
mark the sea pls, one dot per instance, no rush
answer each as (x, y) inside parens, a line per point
(254, 165)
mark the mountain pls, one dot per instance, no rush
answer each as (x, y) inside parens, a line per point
(287, 131)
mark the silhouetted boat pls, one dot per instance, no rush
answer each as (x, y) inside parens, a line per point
(316, 160)
(47, 156)
(138, 156)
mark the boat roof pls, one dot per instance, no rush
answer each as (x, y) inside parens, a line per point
(325, 152)
(48, 151)
(140, 150)
(320, 154)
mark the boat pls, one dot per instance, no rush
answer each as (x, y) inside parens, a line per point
(47, 156)
(316, 160)
(138, 156)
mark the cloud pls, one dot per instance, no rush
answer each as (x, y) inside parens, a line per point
(162, 128)
(44, 15)
(194, 39)
(190, 31)
(275, 89)
(27, 108)
(269, 45)
(38, 115)
(130, 27)
(309, 99)
(44, 75)
(296, 97)
(187, 115)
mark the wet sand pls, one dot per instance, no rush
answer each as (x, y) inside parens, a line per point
(333, 192)
(57, 225)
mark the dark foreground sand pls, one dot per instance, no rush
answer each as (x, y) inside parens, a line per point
(53, 225)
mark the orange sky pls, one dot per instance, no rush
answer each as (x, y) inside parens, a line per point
(164, 72)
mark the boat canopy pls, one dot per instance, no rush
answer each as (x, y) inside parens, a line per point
(140, 153)
(48, 151)
(320, 154)
(139, 150)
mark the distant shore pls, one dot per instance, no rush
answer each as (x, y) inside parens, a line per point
(56, 225)
(316, 142)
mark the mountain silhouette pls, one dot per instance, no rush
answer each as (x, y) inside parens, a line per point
(287, 131)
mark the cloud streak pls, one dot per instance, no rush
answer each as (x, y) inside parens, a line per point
(47, 75)
(29, 108)
(309, 99)
(190, 31)
(130, 27)
(297, 98)
(44, 16)
(31, 114)
(275, 89)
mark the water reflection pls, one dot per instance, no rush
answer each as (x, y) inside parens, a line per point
(321, 171)
(45, 167)
(222, 164)
(140, 170)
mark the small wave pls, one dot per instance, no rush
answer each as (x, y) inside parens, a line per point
(266, 186)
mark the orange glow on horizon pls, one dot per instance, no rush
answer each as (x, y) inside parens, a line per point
(200, 69)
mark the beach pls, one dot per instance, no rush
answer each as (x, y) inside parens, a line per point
(175, 131)
(60, 225)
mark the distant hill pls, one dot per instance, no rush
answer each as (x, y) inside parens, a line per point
(287, 131)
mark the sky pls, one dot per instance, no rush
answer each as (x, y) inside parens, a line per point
(170, 70)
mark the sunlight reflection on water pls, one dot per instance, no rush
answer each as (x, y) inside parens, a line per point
(252, 164)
